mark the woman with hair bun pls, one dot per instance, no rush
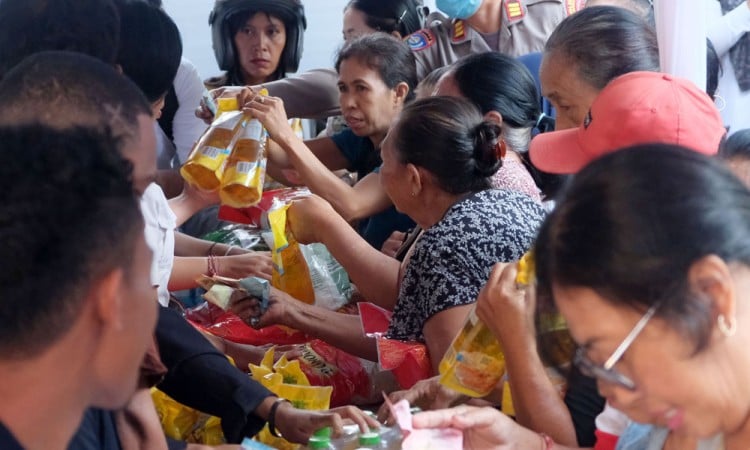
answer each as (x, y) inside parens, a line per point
(438, 158)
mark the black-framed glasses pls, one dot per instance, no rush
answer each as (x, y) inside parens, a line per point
(606, 372)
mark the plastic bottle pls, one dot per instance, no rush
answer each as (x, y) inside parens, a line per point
(391, 437)
(250, 444)
(319, 442)
(370, 440)
(474, 362)
(203, 168)
(322, 439)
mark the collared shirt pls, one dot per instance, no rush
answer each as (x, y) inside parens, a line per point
(525, 26)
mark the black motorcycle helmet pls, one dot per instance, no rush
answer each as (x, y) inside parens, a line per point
(291, 12)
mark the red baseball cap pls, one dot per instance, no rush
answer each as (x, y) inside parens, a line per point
(635, 108)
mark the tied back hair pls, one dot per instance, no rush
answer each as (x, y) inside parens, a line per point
(449, 138)
(486, 136)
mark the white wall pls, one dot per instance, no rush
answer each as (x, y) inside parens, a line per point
(322, 38)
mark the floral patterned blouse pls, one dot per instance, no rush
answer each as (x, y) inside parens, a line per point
(452, 260)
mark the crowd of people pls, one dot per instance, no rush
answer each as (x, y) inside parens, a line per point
(474, 135)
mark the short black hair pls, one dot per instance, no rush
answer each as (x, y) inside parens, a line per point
(404, 16)
(150, 47)
(390, 57)
(737, 145)
(30, 26)
(69, 216)
(497, 82)
(62, 89)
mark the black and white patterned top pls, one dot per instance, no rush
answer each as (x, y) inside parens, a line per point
(452, 260)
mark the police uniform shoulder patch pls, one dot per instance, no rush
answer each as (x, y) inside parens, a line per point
(420, 40)
(572, 6)
(514, 10)
(459, 31)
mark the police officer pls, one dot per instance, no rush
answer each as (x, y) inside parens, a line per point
(513, 27)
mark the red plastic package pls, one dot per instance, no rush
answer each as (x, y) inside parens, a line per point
(229, 326)
(408, 361)
(257, 215)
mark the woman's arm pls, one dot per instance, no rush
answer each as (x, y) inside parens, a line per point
(314, 160)
(343, 331)
(362, 200)
(185, 270)
(313, 94)
(376, 275)
(186, 245)
(486, 428)
(508, 313)
(440, 329)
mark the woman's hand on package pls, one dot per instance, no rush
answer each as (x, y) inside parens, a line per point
(507, 308)
(483, 428)
(249, 308)
(297, 425)
(308, 216)
(393, 243)
(250, 264)
(426, 394)
(270, 111)
(197, 198)
(204, 113)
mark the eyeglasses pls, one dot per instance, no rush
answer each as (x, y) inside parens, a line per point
(606, 371)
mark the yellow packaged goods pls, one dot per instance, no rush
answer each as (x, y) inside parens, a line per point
(290, 271)
(244, 174)
(286, 379)
(474, 362)
(204, 167)
(186, 424)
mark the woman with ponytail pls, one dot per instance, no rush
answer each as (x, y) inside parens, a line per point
(438, 159)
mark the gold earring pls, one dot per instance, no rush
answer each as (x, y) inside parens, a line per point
(728, 327)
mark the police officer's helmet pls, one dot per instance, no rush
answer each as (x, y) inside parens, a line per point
(291, 12)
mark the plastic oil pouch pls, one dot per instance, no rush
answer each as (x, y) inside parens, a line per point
(205, 164)
(474, 363)
(245, 169)
(183, 423)
(290, 271)
(287, 380)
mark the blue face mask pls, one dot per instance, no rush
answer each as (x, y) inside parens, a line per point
(459, 9)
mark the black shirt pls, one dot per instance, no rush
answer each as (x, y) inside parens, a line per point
(7, 441)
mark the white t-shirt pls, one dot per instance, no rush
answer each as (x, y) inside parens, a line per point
(160, 225)
(186, 128)
(724, 31)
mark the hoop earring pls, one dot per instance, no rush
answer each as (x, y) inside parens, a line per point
(728, 327)
(720, 102)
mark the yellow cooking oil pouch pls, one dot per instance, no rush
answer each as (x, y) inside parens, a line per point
(183, 423)
(290, 271)
(286, 379)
